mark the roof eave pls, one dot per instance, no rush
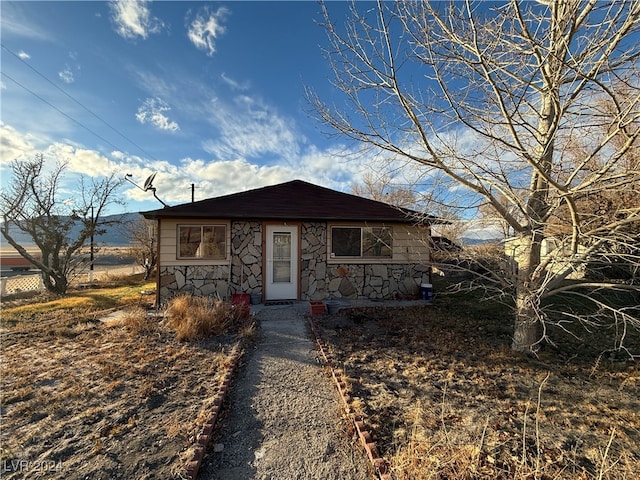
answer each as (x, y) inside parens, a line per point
(154, 215)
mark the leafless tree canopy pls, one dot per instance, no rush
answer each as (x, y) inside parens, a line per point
(532, 107)
(33, 203)
(142, 240)
(381, 188)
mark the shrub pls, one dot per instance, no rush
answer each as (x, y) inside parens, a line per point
(193, 318)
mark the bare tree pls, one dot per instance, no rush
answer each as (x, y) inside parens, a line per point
(495, 98)
(34, 206)
(142, 238)
(381, 188)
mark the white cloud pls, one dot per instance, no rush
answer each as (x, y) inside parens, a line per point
(250, 128)
(233, 83)
(132, 19)
(81, 160)
(337, 167)
(66, 75)
(205, 29)
(153, 111)
(157, 85)
(223, 177)
(23, 55)
(15, 22)
(14, 144)
(216, 178)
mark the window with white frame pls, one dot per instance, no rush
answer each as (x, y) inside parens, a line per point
(361, 242)
(202, 241)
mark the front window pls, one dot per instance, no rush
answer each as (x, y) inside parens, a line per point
(361, 242)
(202, 241)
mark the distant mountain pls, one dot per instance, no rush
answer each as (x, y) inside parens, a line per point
(470, 242)
(114, 236)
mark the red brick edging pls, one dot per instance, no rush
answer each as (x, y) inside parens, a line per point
(203, 438)
(365, 433)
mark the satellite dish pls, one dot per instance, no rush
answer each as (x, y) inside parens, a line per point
(148, 183)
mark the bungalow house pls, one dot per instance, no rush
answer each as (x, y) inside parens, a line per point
(294, 240)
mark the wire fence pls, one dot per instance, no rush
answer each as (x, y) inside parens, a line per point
(33, 283)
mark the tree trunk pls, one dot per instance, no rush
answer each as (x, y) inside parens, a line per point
(147, 271)
(525, 334)
(57, 284)
(527, 313)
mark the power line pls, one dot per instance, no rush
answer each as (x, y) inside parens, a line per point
(59, 111)
(76, 101)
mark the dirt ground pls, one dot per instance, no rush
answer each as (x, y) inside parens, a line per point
(444, 393)
(448, 399)
(103, 401)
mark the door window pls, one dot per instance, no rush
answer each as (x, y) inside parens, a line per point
(281, 257)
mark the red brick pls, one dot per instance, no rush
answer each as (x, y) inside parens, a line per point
(372, 450)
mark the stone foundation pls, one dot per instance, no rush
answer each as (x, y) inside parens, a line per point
(208, 281)
(388, 281)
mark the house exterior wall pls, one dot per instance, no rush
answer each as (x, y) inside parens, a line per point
(553, 251)
(168, 243)
(321, 277)
(240, 272)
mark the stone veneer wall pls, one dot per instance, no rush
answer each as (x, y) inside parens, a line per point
(214, 280)
(246, 257)
(319, 280)
(199, 280)
(313, 261)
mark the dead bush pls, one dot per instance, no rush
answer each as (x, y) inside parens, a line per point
(193, 318)
(248, 332)
(137, 321)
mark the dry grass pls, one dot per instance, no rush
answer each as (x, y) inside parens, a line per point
(138, 321)
(117, 400)
(448, 453)
(80, 305)
(248, 332)
(194, 318)
(448, 399)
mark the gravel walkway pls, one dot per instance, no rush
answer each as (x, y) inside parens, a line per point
(285, 420)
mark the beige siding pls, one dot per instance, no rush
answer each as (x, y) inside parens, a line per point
(169, 238)
(552, 250)
(410, 244)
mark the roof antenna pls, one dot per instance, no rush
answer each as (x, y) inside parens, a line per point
(148, 185)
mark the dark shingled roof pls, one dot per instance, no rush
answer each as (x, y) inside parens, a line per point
(295, 200)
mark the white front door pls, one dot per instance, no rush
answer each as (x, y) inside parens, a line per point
(282, 262)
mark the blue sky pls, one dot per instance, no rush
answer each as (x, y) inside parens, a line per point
(210, 93)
